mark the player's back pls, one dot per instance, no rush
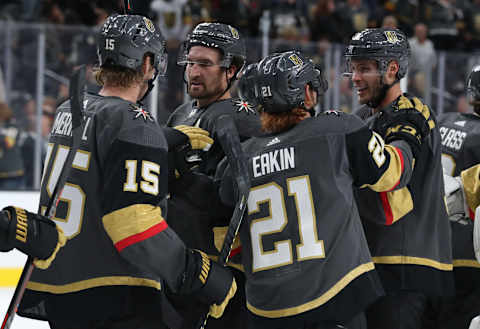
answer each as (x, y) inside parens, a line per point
(89, 271)
(460, 134)
(303, 243)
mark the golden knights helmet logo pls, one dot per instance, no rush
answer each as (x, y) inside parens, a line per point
(297, 61)
(234, 32)
(392, 37)
(149, 24)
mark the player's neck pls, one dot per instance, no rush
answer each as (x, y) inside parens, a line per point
(392, 94)
(128, 94)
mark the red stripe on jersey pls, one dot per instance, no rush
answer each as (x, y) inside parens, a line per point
(471, 213)
(235, 251)
(386, 208)
(122, 244)
(402, 166)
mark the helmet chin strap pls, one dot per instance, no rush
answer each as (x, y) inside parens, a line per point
(151, 84)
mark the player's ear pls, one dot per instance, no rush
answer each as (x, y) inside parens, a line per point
(231, 72)
(310, 97)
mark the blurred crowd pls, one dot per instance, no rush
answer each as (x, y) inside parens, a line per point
(314, 26)
(451, 24)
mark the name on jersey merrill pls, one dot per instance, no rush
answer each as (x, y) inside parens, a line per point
(63, 125)
(273, 161)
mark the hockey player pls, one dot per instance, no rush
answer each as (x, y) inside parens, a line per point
(212, 56)
(114, 252)
(305, 255)
(412, 249)
(460, 134)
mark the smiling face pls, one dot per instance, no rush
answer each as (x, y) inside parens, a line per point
(366, 79)
(206, 80)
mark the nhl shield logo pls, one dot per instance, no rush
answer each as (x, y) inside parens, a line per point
(149, 24)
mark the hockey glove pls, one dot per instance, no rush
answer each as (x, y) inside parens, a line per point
(408, 120)
(32, 234)
(199, 138)
(210, 282)
(455, 199)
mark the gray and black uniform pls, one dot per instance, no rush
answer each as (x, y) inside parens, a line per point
(412, 249)
(305, 255)
(192, 212)
(460, 133)
(112, 211)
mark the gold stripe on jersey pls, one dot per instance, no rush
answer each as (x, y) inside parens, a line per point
(219, 233)
(392, 175)
(93, 283)
(329, 294)
(466, 263)
(471, 186)
(123, 223)
(400, 202)
(409, 260)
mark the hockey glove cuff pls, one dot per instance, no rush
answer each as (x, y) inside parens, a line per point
(32, 234)
(210, 282)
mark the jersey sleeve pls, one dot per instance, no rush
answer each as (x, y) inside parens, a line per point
(471, 187)
(383, 168)
(376, 165)
(135, 170)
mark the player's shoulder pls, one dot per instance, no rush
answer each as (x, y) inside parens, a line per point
(336, 122)
(124, 120)
(181, 112)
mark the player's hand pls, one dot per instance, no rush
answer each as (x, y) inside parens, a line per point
(455, 199)
(32, 234)
(210, 282)
(408, 119)
(199, 138)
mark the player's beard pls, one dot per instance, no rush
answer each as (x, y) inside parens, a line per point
(205, 92)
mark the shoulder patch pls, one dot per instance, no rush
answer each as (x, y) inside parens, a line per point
(140, 113)
(244, 106)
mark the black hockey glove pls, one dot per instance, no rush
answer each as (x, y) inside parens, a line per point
(32, 234)
(408, 120)
(186, 145)
(208, 281)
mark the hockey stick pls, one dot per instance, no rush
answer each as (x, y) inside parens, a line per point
(77, 84)
(228, 136)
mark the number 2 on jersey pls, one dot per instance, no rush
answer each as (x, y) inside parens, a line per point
(308, 248)
(72, 194)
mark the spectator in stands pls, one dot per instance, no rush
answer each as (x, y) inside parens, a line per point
(390, 21)
(472, 26)
(442, 17)
(423, 56)
(355, 17)
(11, 163)
(326, 22)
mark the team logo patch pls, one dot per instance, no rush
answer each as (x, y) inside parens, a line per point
(334, 112)
(392, 37)
(297, 61)
(140, 113)
(149, 24)
(234, 32)
(244, 106)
